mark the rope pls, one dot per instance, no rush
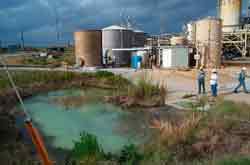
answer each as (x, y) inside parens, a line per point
(12, 82)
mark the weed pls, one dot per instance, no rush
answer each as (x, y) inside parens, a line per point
(87, 149)
(172, 134)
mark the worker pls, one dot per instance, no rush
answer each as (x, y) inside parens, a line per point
(242, 83)
(214, 82)
(201, 80)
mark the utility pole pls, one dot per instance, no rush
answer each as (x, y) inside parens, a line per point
(22, 40)
(219, 8)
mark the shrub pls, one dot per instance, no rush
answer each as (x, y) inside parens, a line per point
(87, 149)
(130, 155)
(145, 90)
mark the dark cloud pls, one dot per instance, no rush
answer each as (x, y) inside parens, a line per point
(152, 16)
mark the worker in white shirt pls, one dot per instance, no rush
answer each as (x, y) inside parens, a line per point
(214, 82)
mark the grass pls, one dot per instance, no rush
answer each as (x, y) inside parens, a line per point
(146, 90)
(199, 135)
(87, 149)
(172, 133)
(197, 138)
(235, 161)
(27, 78)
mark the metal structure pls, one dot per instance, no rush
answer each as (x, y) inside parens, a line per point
(208, 42)
(117, 37)
(230, 14)
(236, 44)
(88, 48)
(236, 31)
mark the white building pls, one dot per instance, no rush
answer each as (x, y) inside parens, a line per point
(174, 57)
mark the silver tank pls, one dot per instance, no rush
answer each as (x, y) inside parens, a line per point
(209, 41)
(139, 38)
(118, 37)
(230, 13)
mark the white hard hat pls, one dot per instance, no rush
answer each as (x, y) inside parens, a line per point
(214, 70)
(244, 68)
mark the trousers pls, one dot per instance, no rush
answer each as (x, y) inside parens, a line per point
(242, 83)
(201, 86)
(214, 90)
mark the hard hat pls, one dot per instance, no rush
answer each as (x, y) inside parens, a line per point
(244, 68)
(201, 67)
(214, 70)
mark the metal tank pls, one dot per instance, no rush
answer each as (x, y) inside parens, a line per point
(209, 41)
(139, 38)
(191, 32)
(88, 47)
(230, 13)
(178, 40)
(117, 37)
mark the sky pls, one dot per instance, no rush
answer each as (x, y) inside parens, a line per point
(37, 18)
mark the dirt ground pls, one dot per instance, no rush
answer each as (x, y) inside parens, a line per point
(180, 82)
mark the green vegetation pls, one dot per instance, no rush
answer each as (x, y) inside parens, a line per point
(195, 137)
(29, 78)
(154, 94)
(50, 62)
(67, 57)
(87, 149)
(235, 161)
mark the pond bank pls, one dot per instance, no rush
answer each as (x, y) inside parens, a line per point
(29, 84)
(32, 83)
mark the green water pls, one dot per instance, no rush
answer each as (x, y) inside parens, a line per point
(62, 115)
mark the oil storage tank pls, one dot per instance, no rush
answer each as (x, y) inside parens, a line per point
(117, 37)
(139, 38)
(88, 48)
(230, 13)
(209, 41)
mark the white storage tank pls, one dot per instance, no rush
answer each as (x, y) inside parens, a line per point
(117, 37)
(174, 57)
(230, 13)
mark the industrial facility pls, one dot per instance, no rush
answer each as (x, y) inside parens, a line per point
(208, 42)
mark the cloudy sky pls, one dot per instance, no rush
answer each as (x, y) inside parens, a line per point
(36, 18)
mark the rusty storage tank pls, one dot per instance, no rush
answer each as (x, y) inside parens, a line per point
(118, 37)
(230, 14)
(139, 38)
(88, 47)
(178, 40)
(209, 41)
(191, 32)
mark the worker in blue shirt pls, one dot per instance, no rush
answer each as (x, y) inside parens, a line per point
(242, 78)
(201, 81)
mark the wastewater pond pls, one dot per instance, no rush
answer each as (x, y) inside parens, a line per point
(61, 116)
